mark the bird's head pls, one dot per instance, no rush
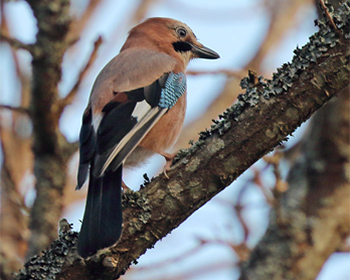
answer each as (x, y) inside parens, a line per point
(169, 36)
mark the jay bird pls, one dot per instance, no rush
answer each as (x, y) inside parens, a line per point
(136, 108)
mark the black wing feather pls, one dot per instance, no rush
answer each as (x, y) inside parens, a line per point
(118, 121)
(133, 141)
(153, 92)
(115, 124)
(86, 147)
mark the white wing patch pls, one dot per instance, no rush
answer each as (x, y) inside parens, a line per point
(96, 120)
(141, 109)
(147, 115)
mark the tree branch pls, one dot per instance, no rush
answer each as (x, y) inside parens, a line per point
(227, 72)
(53, 20)
(259, 121)
(79, 25)
(16, 44)
(325, 10)
(16, 109)
(71, 95)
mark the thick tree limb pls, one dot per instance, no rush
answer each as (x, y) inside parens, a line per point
(258, 122)
(49, 163)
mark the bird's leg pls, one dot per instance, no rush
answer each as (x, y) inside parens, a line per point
(169, 157)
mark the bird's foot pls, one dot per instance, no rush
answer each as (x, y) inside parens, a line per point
(125, 187)
(169, 157)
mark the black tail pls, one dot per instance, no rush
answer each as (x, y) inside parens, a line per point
(102, 223)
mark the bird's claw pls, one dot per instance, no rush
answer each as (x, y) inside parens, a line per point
(169, 160)
(167, 168)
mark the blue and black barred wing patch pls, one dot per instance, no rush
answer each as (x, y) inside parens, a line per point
(175, 87)
(124, 125)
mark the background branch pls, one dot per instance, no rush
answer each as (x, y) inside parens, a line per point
(71, 95)
(53, 23)
(16, 44)
(15, 109)
(78, 25)
(15, 139)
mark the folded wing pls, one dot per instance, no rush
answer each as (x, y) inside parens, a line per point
(126, 120)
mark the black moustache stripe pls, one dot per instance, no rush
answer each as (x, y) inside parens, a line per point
(181, 46)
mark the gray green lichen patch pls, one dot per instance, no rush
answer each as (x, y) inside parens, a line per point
(50, 263)
(193, 165)
(216, 145)
(136, 200)
(174, 189)
(195, 188)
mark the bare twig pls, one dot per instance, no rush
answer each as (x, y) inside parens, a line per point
(280, 186)
(79, 24)
(274, 160)
(204, 270)
(21, 76)
(16, 109)
(71, 95)
(283, 17)
(242, 250)
(238, 207)
(141, 10)
(134, 18)
(325, 10)
(228, 73)
(219, 14)
(189, 253)
(265, 191)
(172, 260)
(17, 44)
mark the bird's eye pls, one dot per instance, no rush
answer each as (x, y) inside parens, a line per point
(181, 32)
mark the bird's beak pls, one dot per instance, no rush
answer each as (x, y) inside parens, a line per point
(204, 52)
